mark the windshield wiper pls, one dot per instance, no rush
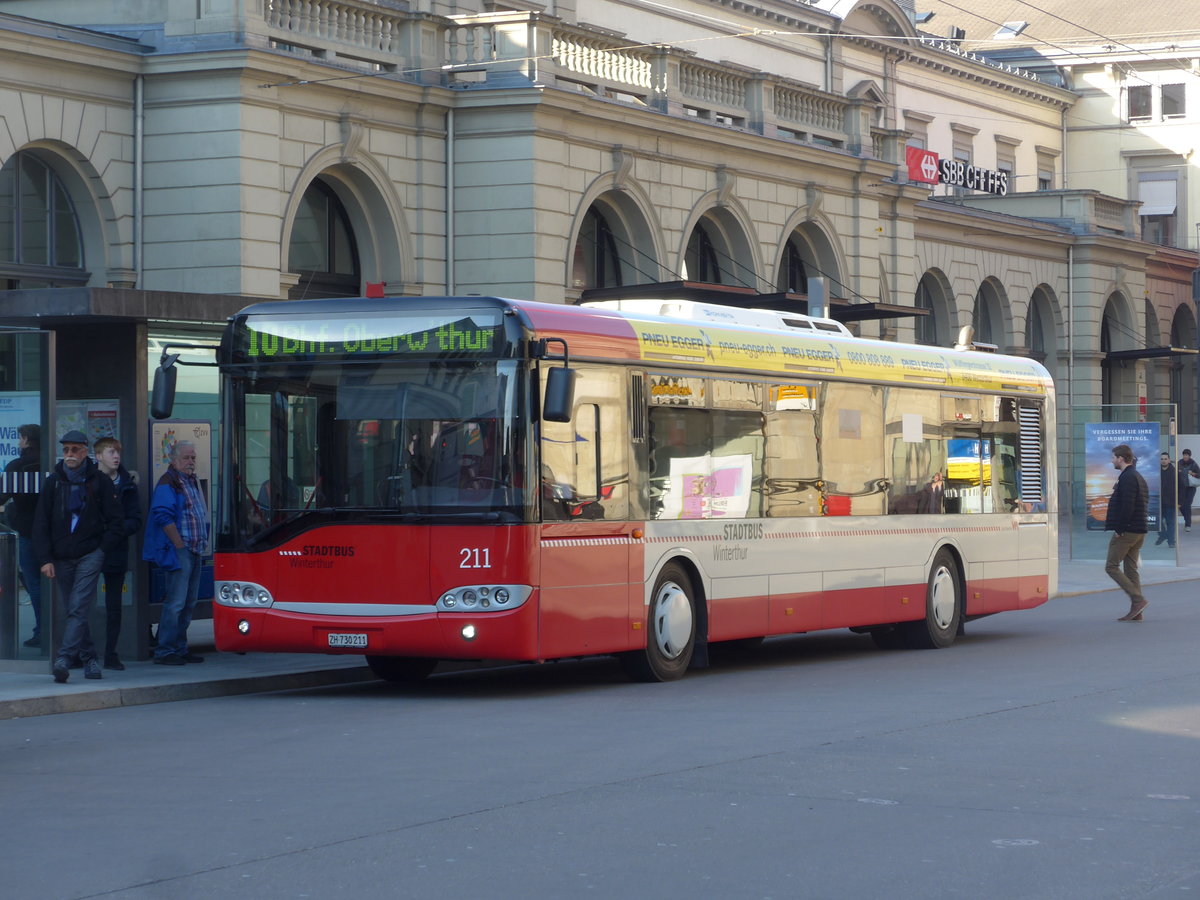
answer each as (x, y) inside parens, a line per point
(277, 527)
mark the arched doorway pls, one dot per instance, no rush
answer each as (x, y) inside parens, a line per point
(987, 316)
(40, 240)
(933, 294)
(1183, 370)
(1118, 378)
(322, 249)
(808, 253)
(716, 250)
(614, 246)
(1041, 335)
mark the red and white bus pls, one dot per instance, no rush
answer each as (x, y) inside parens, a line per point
(453, 478)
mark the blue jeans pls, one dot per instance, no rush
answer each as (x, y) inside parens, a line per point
(77, 580)
(183, 586)
(31, 574)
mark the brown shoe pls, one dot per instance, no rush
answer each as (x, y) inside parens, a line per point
(1135, 611)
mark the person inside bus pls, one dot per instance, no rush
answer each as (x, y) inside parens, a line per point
(932, 498)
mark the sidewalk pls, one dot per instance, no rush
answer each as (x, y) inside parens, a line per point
(33, 693)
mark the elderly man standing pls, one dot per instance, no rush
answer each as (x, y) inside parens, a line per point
(76, 522)
(176, 537)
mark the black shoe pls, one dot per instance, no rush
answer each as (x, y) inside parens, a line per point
(35, 641)
(61, 670)
(171, 660)
(1159, 541)
(112, 661)
(91, 669)
(193, 657)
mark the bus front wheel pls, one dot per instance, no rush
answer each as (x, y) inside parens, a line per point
(943, 607)
(671, 627)
(401, 669)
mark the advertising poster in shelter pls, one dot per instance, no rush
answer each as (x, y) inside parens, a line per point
(17, 408)
(95, 418)
(1100, 476)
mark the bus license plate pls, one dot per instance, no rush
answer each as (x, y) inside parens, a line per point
(347, 640)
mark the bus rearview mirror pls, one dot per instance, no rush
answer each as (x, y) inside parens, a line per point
(560, 394)
(162, 396)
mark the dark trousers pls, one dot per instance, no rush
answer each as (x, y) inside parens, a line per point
(77, 580)
(1166, 525)
(1186, 496)
(114, 586)
(31, 574)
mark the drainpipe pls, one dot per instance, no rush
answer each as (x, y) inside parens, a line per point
(1070, 398)
(829, 63)
(1064, 148)
(139, 122)
(451, 287)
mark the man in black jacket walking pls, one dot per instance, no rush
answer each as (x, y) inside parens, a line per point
(78, 519)
(1126, 518)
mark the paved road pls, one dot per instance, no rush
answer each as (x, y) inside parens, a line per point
(1051, 753)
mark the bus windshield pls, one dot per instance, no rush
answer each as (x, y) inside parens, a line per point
(438, 440)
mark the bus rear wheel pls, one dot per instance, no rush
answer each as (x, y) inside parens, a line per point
(671, 630)
(401, 669)
(943, 607)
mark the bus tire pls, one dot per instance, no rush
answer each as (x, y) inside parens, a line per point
(943, 606)
(401, 669)
(670, 630)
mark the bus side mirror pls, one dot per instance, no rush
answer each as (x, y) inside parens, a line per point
(560, 394)
(162, 396)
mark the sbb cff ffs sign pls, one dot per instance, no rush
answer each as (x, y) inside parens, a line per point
(925, 166)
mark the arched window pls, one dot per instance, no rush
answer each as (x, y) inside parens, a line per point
(793, 277)
(1107, 379)
(700, 261)
(40, 244)
(984, 315)
(322, 248)
(926, 326)
(597, 262)
(1035, 330)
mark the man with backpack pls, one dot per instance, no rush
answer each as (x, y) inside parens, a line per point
(78, 519)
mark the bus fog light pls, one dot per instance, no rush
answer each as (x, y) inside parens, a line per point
(468, 632)
(243, 627)
(501, 596)
(449, 601)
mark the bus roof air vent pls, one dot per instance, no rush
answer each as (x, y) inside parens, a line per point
(721, 315)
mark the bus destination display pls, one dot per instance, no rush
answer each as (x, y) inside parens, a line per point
(263, 338)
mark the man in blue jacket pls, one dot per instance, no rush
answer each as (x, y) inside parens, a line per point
(176, 537)
(76, 522)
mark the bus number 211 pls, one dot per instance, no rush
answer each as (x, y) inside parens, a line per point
(475, 558)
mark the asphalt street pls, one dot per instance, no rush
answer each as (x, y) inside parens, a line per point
(1049, 753)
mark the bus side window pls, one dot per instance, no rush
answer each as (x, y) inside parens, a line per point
(912, 432)
(585, 463)
(852, 444)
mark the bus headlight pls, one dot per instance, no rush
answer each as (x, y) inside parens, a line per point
(242, 594)
(484, 597)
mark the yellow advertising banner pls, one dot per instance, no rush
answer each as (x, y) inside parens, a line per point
(874, 361)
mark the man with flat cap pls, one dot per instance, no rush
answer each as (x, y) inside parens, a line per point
(77, 520)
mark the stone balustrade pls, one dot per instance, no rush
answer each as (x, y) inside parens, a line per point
(420, 46)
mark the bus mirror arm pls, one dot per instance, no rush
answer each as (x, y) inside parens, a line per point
(559, 401)
(162, 395)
